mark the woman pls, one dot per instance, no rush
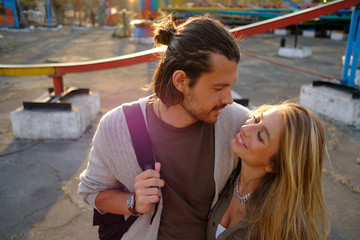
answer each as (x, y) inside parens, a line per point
(275, 193)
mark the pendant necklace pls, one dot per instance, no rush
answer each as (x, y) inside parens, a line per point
(241, 199)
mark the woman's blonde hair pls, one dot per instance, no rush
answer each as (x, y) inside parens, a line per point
(289, 204)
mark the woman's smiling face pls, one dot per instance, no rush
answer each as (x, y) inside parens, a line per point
(259, 139)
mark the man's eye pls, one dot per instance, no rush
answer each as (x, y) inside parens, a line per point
(256, 119)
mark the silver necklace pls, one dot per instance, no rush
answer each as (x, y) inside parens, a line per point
(241, 199)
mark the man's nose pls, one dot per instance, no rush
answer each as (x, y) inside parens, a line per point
(227, 97)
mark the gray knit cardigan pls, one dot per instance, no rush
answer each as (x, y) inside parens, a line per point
(112, 162)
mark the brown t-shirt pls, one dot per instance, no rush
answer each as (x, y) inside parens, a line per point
(187, 167)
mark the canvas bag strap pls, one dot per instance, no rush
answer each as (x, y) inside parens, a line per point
(139, 136)
(141, 143)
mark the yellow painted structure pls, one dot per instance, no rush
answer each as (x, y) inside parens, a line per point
(21, 70)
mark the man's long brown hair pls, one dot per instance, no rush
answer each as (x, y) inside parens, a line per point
(190, 45)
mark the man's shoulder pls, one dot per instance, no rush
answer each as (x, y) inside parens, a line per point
(233, 115)
(141, 101)
(118, 111)
(236, 109)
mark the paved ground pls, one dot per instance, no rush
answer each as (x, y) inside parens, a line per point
(39, 177)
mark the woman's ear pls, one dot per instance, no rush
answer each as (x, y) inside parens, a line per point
(269, 168)
(180, 80)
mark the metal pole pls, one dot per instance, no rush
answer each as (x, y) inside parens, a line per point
(21, 15)
(352, 49)
(58, 84)
(53, 11)
(79, 6)
(48, 12)
(16, 20)
(109, 12)
(71, 14)
(296, 36)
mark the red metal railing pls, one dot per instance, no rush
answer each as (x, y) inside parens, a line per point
(292, 18)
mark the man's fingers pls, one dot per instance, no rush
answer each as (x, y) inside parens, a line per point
(147, 183)
(147, 188)
(157, 167)
(148, 192)
(150, 173)
(148, 199)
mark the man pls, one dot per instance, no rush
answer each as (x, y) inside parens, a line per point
(191, 119)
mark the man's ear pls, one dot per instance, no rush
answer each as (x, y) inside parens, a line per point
(180, 80)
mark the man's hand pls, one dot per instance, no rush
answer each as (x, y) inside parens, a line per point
(147, 188)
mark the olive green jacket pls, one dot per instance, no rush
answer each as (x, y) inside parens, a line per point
(240, 231)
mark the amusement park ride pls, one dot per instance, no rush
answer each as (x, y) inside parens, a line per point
(149, 7)
(12, 14)
(149, 10)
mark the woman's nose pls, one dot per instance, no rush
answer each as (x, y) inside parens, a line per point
(244, 129)
(247, 128)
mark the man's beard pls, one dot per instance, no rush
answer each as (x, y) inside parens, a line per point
(189, 104)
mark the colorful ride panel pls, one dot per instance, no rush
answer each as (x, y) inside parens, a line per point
(8, 14)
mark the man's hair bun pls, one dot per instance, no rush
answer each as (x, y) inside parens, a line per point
(164, 31)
